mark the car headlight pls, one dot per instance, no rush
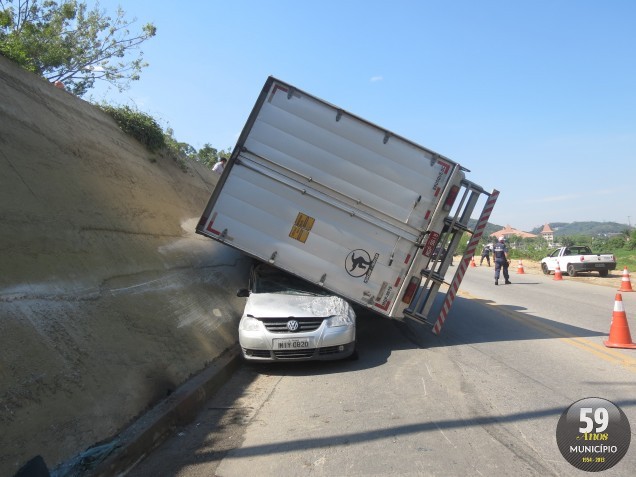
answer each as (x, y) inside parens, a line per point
(341, 320)
(250, 323)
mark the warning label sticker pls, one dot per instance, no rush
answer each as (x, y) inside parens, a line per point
(383, 299)
(301, 228)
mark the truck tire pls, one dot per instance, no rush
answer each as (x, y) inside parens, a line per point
(544, 268)
(603, 273)
(570, 269)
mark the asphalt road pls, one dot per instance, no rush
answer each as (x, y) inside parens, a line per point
(484, 398)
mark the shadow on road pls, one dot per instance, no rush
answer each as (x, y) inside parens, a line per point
(219, 429)
(470, 321)
(480, 321)
(346, 439)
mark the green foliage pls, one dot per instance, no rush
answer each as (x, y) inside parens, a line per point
(137, 124)
(567, 241)
(622, 246)
(146, 130)
(463, 244)
(209, 155)
(582, 228)
(67, 42)
(615, 243)
(625, 258)
(179, 151)
(529, 249)
(631, 244)
(601, 237)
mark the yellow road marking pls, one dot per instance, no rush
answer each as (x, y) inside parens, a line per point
(611, 355)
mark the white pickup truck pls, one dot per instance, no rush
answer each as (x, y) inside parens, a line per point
(578, 258)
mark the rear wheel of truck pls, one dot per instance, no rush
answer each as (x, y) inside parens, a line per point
(570, 269)
(603, 273)
(544, 268)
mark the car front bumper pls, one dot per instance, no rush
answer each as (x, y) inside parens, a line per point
(329, 344)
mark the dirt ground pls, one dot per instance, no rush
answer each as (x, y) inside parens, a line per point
(613, 280)
(108, 299)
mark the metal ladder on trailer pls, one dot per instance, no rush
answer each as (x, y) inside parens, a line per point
(454, 228)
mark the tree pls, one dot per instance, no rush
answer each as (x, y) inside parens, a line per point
(72, 44)
(615, 243)
(567, 241)
(631, 243)
(209, 155)
(182, 149)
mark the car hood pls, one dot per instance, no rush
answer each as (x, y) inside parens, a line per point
(263, 305)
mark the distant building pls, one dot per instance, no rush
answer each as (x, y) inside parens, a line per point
(507, 231)
(548, 234)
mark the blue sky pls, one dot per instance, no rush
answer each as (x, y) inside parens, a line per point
(536, 98)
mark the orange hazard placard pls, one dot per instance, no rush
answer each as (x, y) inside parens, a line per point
(301, 228)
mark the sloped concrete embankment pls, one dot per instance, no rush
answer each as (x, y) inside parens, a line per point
(108, 299)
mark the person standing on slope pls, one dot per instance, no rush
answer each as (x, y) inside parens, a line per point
(219, 166)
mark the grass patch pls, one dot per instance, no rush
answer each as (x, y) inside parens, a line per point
(147, 131)
(137, 124)
(625, 258)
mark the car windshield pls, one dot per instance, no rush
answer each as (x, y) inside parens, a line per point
(269, 280)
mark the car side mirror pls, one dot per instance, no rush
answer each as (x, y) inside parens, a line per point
(243, 293)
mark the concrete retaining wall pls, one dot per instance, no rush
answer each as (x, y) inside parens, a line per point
(108, 299)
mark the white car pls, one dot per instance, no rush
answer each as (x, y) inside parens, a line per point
(287, 318)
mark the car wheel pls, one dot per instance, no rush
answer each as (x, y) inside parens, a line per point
(571, 271)
(603, 273)
(544, 268)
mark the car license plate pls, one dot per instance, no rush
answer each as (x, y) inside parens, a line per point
(294, 343)
(599, 265)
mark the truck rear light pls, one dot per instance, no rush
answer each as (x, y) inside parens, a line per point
(412, 287)
(450, 198)
(582, 258)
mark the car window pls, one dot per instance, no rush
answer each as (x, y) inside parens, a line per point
(270, 280)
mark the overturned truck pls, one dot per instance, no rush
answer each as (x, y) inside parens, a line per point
(350, 206)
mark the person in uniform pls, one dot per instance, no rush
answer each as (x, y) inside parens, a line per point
(485, 253)
(500, 256)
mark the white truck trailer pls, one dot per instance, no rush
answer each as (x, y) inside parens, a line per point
(340, 202)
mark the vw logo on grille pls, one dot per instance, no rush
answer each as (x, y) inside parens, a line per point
(292, 325)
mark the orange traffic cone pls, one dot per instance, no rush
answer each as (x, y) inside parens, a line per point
(472, 262)
(520, 268)
(557, 273)
(626, 284)
(619, 336)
